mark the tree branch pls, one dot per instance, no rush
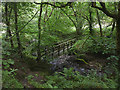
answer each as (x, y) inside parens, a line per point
(102, 4)
(45, 13)
(61, 6)
(49, 15)
(69, 17)
(85, 17)
(103, 9)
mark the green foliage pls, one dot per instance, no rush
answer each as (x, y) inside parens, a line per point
(70, 79)
(6, 47)
(104, 45)
(30, 77)
(7, 63)
(96, 45)
(9, 80)
(113, 65)
(56, 26)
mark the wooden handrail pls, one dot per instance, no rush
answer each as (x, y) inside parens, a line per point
(56, 49)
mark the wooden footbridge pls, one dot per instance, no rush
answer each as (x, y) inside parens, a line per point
(57, 49)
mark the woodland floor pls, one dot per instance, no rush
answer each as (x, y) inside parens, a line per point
(31, 67)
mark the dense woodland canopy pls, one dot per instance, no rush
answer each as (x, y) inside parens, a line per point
(61, 44)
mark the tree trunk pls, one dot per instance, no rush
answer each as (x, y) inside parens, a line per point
(113, 26)
(114, 21)
(78, 31)
(8, 25)
(90, 22)
(77, 24)
(118, 38)
(39, 35)
(101, 34)
(118, 30)
(78, 28)
(16, 28)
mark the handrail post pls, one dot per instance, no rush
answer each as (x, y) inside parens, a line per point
(63, 48)
(52, 52)
(67, 46)
(71, 43)
(58, 50)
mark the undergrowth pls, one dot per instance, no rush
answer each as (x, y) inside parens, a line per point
(95, 44)
(8, 75)
(70, 79)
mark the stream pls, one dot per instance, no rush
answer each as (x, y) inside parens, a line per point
(69, 61)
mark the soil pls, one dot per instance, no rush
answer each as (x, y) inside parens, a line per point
(32, 68)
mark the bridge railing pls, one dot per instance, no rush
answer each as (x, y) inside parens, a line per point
(56, 50)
